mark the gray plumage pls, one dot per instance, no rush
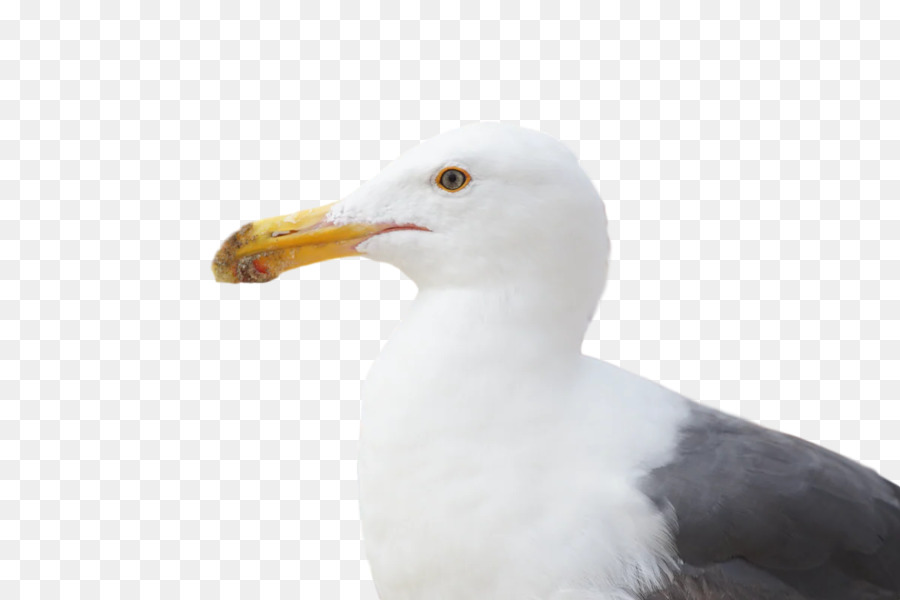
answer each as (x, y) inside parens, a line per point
(762, 515)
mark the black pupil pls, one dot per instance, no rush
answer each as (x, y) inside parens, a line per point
(452, 179)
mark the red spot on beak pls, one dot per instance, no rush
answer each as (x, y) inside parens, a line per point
(260, 266)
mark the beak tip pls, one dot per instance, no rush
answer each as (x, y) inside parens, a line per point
(223, 272)
(225, 264)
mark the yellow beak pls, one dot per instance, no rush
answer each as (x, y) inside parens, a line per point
(263, 250)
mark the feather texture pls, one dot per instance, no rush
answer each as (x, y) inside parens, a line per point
(782, 508)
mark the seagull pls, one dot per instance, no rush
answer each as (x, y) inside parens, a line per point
(497, 462)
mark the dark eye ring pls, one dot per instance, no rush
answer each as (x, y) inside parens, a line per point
(452, 179)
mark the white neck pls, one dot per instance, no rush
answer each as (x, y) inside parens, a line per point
(507, 322)
(460, 357)
(481, 421)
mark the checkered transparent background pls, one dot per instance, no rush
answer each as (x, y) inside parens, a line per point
(165, 436)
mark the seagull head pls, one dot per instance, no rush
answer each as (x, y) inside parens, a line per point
(484, 206)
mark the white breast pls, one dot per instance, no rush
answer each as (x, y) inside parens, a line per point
(510, 479)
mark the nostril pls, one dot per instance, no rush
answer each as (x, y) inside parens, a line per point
(276, 234)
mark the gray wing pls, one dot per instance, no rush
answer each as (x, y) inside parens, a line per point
(765, 515)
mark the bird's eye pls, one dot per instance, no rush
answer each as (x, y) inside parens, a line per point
(452, 179)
